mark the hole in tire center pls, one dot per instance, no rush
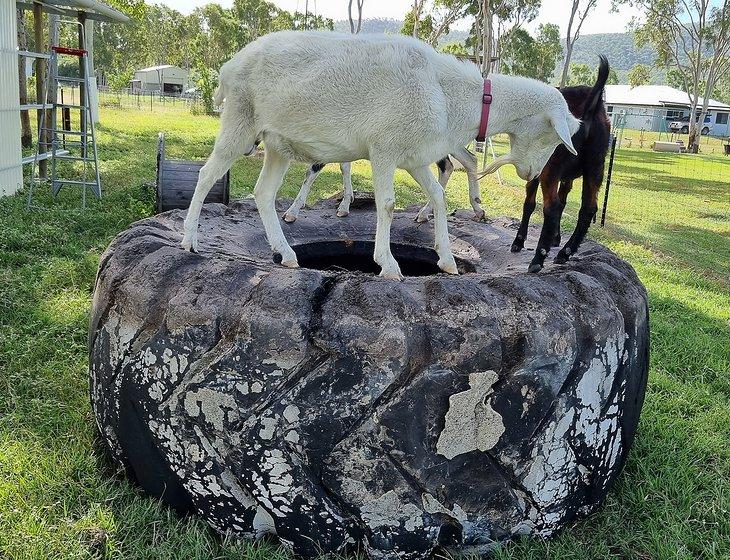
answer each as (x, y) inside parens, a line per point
(357, 256)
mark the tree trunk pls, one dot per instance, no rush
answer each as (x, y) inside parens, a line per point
(416, 16)
(709, 86)
(569, 42)
(26, 135)
(355, 29)
(693, 140)
(486, 38)
(496, 66)
(566, 66)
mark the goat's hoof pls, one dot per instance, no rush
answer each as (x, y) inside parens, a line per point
(290, 263)
(480, 216)
(391, 275)
(563, 256)
(289, 218)
(343, 213)
(448, 267)
(556, 241)
(421, 218)
(189, 244)
(534, 268)
(517, 245)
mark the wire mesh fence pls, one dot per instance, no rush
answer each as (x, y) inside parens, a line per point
(654, 171)
(147, 100)
(655, 198)
(676, 203)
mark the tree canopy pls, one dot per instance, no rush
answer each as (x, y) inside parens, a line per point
(639, 75)
(206, 38)
(692, 40)
(532, 57)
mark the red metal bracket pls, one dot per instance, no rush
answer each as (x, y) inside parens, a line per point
(69, 50)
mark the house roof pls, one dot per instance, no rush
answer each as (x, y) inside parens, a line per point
(654, 96)
(159, 67)
(91, 8)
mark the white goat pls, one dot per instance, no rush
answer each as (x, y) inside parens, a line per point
(312, 173)
(446, 168)
(325, 97)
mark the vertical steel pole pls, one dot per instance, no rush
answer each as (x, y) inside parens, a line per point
(40, 85)
(82, 86)
(608, 179)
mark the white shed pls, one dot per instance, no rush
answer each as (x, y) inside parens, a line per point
(165, 78)
(654, 107)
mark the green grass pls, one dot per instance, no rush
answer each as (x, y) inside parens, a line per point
(668, 215)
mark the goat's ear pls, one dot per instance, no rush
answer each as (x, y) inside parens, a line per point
(499, 162)
(560, 124)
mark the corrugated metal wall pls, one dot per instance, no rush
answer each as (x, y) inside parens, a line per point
(11, 171)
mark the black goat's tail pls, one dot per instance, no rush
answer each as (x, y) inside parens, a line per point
(596, 95)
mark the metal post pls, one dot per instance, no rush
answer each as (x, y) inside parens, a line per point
(608, 179)
(40, 84)
(82, 74)
(54, 31)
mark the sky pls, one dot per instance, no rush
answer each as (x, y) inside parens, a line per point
(601, 19)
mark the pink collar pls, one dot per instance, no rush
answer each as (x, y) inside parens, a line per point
(486, 104)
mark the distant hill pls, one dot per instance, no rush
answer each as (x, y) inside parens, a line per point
(619, 48)
(387, 25)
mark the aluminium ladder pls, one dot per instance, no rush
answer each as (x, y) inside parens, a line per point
(52, 138)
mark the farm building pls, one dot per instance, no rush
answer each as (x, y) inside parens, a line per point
(654, 107)
(165, 78)
(86, 12)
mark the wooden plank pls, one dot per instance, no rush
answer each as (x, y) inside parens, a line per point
(45, 155)
(183, 165)
(171, 177)
(667, 147)
(217, 188)
(178, 179)
(175, 174)
(31, 54)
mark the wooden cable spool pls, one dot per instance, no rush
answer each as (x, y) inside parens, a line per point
(176, 180)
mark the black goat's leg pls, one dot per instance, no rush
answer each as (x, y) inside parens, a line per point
(551, 224)
(527, 209)
(588, 209)
(565, 187)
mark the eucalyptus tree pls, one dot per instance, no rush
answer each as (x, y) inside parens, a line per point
(579, 11)
(639, 75)
(445, 14)
(355, 28)
(496, 19)
(532, 57)
(692, 40)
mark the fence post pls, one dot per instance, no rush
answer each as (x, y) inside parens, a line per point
(608, 179)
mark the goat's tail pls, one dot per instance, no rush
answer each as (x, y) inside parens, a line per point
(596, 95)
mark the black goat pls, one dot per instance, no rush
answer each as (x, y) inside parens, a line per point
(591, 142)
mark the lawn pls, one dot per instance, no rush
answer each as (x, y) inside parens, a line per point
(59, 498)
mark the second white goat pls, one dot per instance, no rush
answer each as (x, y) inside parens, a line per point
(445, 167)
